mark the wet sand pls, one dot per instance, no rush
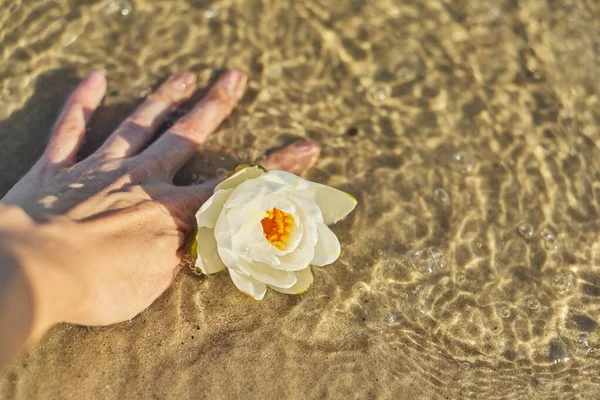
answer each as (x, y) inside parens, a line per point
(467, 131)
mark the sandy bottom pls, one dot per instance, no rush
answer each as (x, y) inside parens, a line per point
(468, 133)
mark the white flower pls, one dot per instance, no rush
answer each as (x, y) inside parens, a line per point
(267, 228)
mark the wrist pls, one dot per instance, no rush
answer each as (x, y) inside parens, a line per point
(25, 302)
(52, 275)
(46, 256)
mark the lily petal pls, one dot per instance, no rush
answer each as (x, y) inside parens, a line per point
(304, 280)
(304, 253)
(209, 212)
(328, 247)
(248, 285)
(309, 207)
(334, 204)
(241, 176)
(287, 177)
(271, 276)
(231, 260)
(208, 259)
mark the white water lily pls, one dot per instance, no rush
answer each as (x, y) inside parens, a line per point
(268, 228)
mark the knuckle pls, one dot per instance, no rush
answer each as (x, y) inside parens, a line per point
(163, 95)
(139, 174)
(222, 96)
(133, 126)
(188, 127)
(143, 169)
(70, 124)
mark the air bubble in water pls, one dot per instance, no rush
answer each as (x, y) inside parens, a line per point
(362, 287)
(419, 309)
(558, 354)
(533, 303)
(212, 13)
(427, 260)
(418, 290)
(109, 7)
(390, 269)
(378, 94)
(441, 196)
(123, 7)
(583, 340)
(550, 239)
(198, 179)
(526, 230)
(563, 282)
(221, 171)
(464, 162)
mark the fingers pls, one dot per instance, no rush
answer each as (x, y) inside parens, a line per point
(178, 144)
(178, 203)
(133, 134)
(296, 158)
(70, 127)
(194, 196)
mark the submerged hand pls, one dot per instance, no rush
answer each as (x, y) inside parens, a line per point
(116, 226)
(57, 183)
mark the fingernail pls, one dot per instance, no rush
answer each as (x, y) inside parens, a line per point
(95, 78)
(185, 80)
(305, 147)
(235, 81)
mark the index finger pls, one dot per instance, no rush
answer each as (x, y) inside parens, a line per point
(178, 144)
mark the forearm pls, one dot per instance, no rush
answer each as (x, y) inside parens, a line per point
(16, 298)
(16, 308)
(33, 293)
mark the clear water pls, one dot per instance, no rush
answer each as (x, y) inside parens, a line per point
(467, 130)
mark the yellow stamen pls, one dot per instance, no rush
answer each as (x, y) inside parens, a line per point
(277, 227)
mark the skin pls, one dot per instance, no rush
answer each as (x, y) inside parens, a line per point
(95, 242)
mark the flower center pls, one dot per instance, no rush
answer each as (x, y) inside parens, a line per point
(277, 226)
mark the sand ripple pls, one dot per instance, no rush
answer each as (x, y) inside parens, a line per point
(467, 127)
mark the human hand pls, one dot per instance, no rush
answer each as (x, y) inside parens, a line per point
(117, 226)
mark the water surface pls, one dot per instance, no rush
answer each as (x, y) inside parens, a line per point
(468, 131)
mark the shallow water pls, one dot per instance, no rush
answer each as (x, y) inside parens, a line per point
(467, 131)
